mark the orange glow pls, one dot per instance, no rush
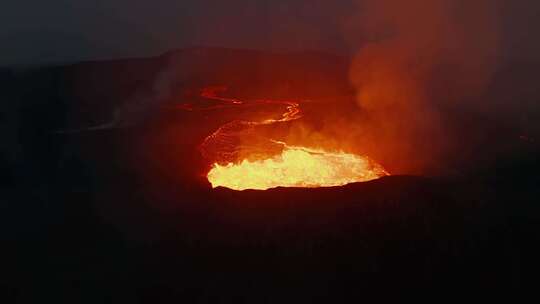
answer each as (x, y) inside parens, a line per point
(296, 167)
(238, 163)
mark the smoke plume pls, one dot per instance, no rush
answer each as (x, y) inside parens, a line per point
(415, 57)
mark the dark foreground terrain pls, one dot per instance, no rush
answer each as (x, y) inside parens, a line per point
(124, 214)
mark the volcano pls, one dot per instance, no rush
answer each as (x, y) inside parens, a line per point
(122, 182)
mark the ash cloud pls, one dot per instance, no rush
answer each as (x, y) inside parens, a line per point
(415, 58)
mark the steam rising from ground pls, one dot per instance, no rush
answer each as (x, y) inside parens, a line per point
(421, 54)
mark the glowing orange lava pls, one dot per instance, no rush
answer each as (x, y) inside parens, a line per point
(296, 167)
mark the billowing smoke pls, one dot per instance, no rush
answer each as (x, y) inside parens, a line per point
(416, 57)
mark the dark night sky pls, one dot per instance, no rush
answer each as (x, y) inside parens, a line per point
(63, 30)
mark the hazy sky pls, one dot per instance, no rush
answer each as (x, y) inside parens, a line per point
(35, 31)
(60, 30)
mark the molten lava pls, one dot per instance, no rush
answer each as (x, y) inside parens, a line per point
(292, 166)
(296, 167)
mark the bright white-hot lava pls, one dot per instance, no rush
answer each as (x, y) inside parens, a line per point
(296, 167)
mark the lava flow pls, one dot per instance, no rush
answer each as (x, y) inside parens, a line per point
(290, 166)
(296, 167)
